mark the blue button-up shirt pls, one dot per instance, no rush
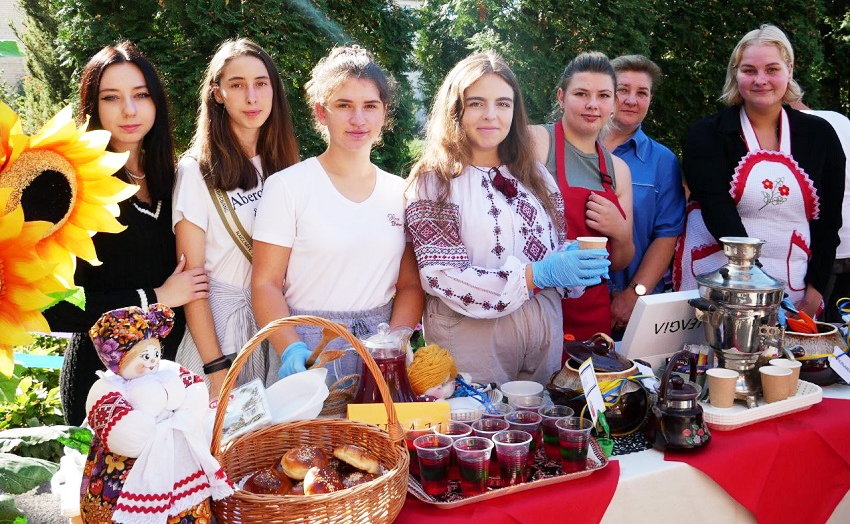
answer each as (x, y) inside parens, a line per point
(658, 199)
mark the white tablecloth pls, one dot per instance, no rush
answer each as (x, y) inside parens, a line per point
(652, 490)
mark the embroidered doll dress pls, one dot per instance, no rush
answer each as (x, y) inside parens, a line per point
(149, 463)
(472, 251)
(776, 201)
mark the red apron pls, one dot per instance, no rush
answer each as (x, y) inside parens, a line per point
(590, 313)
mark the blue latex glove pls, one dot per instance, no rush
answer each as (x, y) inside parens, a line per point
(293, 360)
(780, 314)
(572, 267)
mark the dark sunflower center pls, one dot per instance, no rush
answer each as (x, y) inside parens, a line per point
(44, 184)
(47, 198)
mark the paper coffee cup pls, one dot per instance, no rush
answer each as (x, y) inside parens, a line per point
(721, 387)
(592, 242)
(794, 366)
(774, 383)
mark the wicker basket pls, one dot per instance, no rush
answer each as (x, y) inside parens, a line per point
(377, 501)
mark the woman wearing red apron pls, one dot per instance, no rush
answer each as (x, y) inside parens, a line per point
(761, 169)
(596, 186)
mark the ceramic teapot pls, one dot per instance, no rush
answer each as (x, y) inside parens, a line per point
(676, 421)
(627, 405)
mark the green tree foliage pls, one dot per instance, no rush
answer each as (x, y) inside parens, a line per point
(46, 89)
(690, 39)
(180, 36)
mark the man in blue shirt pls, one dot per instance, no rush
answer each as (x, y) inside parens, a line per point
(658, 194)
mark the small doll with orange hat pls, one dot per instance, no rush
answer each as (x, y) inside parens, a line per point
(149, 461)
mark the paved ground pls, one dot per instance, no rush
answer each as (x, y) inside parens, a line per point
(41, 506)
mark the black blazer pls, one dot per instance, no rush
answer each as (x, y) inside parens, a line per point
(715, 145)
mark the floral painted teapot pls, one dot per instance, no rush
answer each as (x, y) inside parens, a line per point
(676, 420)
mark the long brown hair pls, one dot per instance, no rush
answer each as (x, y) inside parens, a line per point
(448, 151)
(341, 64)
(215, 147)
(158, 144)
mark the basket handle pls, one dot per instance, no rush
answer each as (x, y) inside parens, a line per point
(393, 425)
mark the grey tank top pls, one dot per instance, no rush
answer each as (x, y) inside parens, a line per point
(582, 168)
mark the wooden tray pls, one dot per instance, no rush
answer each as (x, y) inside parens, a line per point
(596, 460)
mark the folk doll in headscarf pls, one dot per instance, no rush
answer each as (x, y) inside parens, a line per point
(148, 463)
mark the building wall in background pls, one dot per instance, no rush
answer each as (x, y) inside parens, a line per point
(12, 70)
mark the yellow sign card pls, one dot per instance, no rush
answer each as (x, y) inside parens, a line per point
(411, 415)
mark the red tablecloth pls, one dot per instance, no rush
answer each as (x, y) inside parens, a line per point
(794, 468)
(576, 501)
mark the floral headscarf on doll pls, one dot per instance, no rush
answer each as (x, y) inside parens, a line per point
(117, 331)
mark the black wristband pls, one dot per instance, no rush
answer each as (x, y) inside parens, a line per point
(217, 365)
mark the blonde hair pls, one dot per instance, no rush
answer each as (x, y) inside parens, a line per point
(448, 151)
(767, 34)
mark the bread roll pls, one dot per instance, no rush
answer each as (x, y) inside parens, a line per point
(356, 478)
(358, 457)
(267, 481)
(299, 459)
(297, 489)
(321, 480)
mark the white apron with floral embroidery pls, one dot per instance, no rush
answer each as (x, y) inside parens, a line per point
(776, 200)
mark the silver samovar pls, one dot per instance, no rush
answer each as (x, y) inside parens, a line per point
(737, 305)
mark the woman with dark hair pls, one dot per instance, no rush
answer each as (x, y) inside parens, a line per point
(759, 168)
(597, 186)
(487, 226)
(121, 93)
(330, 229)
(244, 135)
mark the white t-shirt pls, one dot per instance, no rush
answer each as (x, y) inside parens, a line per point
(841, 125)
(224, 260)
(345, 255)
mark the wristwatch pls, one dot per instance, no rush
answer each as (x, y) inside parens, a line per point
(640, 289)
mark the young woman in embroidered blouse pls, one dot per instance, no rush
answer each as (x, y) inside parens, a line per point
(244, 134)
(330, 230)
(487, 227)
(596, 186)
(121, 93)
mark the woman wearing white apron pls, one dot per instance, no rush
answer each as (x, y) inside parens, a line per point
(761, 169)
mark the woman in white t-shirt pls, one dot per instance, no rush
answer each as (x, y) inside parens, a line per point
(244, 134)
(330, 230)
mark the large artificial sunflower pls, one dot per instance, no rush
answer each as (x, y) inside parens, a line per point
(25, 281)
(62, 175)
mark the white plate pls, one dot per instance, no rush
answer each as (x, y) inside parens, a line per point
(299, 396)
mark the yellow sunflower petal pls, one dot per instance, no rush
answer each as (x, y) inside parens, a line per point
(96, 218)
(11, 331)
(77, 241)
(34, 321)
(108, 190)
(60, 128)
(7, 363)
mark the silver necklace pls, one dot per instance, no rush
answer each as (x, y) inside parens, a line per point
(134, 177)
(144, 211)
